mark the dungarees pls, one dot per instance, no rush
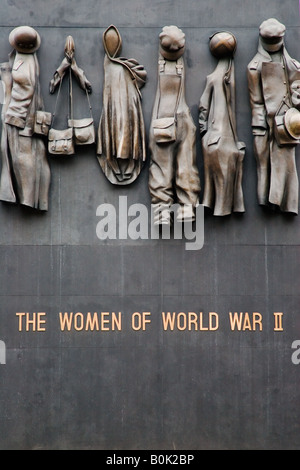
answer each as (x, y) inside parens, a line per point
(173, 173)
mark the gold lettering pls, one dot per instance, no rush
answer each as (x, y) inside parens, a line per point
(235, 320)
(20, 315)
(201, 327)
(242, 321)
(168, 321)
(216, 317)
(278, 321)
(104, 321)
(181, 325)
(193, 320)
(257, 320)
(92, 323)
(116, 321)
(189, 321)
(32, 321)
(78, 325)
(65, 321)
(247, 324)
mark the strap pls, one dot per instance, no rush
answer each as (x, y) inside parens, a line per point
(287, 80)
(70, 95)
(179, 71)
(162, 63)
(71, 103)
(90, 106)
(56, 102)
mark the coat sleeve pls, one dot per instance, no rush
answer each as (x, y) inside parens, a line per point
(259, 120)
(204, 107)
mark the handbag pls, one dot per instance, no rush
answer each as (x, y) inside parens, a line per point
(164, 130)
(61, 142)
(42, 122)
(84, 130)
(78, 132)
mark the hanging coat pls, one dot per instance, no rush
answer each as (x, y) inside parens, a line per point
(121, 146)
(270, 89)
(25, 176)
(223, 153)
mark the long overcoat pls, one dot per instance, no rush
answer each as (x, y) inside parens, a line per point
(270, 90)
(121, 146)
(25, 175)
(223, 154)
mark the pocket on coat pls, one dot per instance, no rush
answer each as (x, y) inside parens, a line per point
(214, 139)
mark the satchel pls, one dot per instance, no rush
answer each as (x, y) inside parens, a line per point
(60, 142)
(78, 132)
(84, 131)
(164, 130)
(42, 123)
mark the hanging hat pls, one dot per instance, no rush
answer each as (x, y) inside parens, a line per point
(272, 34)
(25, 39)
(287, 127)
(172, 42)
(222, 44)
(292, 122)
(112, 41)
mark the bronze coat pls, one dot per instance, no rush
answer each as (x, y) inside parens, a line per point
(25, 173)
(121, 144)
(223, 154)
(269, 87)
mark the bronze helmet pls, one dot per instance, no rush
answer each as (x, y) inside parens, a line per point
(222, 44)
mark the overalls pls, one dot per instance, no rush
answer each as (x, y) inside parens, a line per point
(173, 172)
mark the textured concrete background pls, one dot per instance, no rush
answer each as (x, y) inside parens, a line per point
(152, 389)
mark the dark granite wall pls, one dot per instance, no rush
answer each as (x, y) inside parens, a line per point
(149, 389)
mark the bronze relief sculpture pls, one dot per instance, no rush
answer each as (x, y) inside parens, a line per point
(25, 175)
(79, 131)
(121, 146)
(273, 80)
(222, 152)
(173, 172)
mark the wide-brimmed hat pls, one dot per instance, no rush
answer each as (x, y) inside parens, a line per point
(172, 42)
(292, 122)
(272, 34)
(25, 39)
(222, 44)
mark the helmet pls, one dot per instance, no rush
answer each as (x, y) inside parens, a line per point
(222, 44)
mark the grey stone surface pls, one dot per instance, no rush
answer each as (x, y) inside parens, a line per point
(149, 389)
